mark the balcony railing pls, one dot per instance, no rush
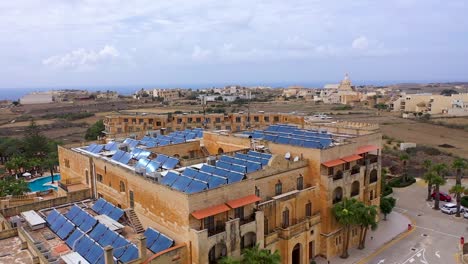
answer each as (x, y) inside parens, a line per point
(298, 226)
(216, 230)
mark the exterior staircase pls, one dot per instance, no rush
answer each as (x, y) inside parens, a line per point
(205, 151)
(134, 221)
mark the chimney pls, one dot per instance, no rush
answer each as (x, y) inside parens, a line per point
(108, 255)
(142, 247)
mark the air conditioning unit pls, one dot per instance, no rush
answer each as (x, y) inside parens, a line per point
(124, 147)
(211, 161)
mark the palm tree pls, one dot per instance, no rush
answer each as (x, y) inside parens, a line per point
(459, 165)
(437, 181)
(366, 218)
(405, 159)
(429, 179)
(427, 164)
(256, 255)
(440, 169)
(345, 213)
(457, 190)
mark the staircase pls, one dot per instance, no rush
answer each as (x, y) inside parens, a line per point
(134, 221)
(205, 151)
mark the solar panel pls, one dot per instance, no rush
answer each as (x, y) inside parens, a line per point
(215, 181)
(161, 244)
(107, 208)
(220, 172)
(238, 168)
(73, 237)
(126, 157)
(57, 224)
(130, 254)
(181, 183)
(98, 149)
(196, 186)
(170, 163)
(80, 218)
(207, 168)
(73, 212)
(94, 253)
(152, 166)
(118, 155)
(52, 216)
(120, 242)
(108, 238)
(91, 147)
(116, 214)
(65, 229)
(135, 152)
(170, 178)
(98, 231)
(151, 236)
(161, 158)
(223, 164)
(142, 163)
(144, 154)
(189, 172)
(83, 245)
(88, 224)
(202, 176)
(97, 206)
(234, 177)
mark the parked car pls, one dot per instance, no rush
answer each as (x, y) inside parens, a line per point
(444, 197)
(466, 214)
(451, 208)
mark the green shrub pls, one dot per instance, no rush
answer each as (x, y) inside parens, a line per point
(464, 201)
(398, 183)
(387, 190)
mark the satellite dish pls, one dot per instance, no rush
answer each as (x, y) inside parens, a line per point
(287, 155)
(296, 158)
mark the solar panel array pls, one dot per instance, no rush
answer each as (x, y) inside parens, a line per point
(87, 237)
(101, 206)
(291, 135)
(176, 137)
(95, 148)
(227, 170)
(157, 241)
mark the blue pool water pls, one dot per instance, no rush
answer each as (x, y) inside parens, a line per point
(38, 185)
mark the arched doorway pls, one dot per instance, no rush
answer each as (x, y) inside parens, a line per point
(216, 252)
(296, 254)
(337, 195)
(220, 151)
(248, 240)
(355, 188)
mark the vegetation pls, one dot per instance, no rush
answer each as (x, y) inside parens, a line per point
(399, 183)
(254, 255)
(464, 201)
(386, 205)
(457, 190)
(69, 116)
(437, 181)
(381, 106)
(341, 108)
(386, 188)
(459, 165)
(95, 131)
(366, 218)
(448, 92)
(11, 186)
(405, 160)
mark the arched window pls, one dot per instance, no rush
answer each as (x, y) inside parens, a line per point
(337, 195)
(176, 156)
(355, 188)
(338, 175)
(355, 169)
(371, 195)
(220, 151)
(300, 182)
(373, 176)
(308, 209)
(285, 221)
(278, 188)
(122, 186)
(257, 191)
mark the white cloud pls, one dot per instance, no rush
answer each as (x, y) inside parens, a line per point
(199, 53)
(360, 43)
(82, 58)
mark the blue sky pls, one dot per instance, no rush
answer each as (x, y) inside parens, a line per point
(180, 42)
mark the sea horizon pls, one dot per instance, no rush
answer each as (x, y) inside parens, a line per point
(15, 93)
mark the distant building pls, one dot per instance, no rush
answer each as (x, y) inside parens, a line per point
(37, 98)
(167, 94)
(343, 93)
(434, 104)
(109, 95)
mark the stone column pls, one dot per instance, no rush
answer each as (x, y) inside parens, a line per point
(108, 255)
(142, 247)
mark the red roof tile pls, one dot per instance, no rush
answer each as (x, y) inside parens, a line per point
(367, 148)
(333, 163)
(351, 158)
(214, 210)
(243, 201)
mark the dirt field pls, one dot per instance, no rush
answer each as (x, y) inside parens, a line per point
(455, 120)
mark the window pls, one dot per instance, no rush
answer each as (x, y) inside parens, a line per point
(347, 166)
(179, 120)
(371, 195)
(278, 188)
(209, 223)
(354, 188)
(119, 130)
(300, 182)
(189, 120)
(228, 127)
(239, 212)
(105, 169)
(238, 119)
(330, 171)
(373, 176)
(125, 120)
(158, 123)
(134, 120)
(266, 118)
(140, 121)
(67, 163)
(218, 120)
(257, 191)
(256, 118)
(276, 118)
(122, 186)
(99, 178)
(198, 119)
(337, 195)
(265, 226)
(285, 218)
(308, 209)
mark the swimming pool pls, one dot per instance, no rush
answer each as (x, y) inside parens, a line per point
(38, 184)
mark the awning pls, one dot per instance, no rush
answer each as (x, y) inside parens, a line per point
(214, 210)
(333, 163)
(351, 158)
(365, 149)
(243, 201)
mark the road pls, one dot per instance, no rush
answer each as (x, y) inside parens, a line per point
(436, 237)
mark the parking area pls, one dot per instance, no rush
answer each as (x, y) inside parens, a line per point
(436, 236)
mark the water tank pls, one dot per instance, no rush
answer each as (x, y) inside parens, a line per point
(211, 160)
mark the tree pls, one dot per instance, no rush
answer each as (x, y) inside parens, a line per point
(254, 255)
(459, 165)
(95, 130)
(405, 159)
(11, 186)
(457, 190)
(429, 179)
(386, 205)
(366, 218)
(35, 144)
(346, 214)
(437, 181)
(17, 164)
(440, 169)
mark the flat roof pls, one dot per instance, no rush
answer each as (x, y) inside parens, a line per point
(74, 258)
(33, 218)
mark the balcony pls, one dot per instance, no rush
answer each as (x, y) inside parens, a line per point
(216, 230)
(298, 227)
(338, 176)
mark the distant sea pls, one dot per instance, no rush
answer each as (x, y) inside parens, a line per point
(17, 93)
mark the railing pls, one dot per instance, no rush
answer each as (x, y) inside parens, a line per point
(299, 226)
(247, 220)
(338, 176)
(216, 230)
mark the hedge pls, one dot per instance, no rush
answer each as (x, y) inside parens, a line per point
(387, 189)
(464, 201)
(397, 182)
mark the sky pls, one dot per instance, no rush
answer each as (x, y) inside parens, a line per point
(69, 43)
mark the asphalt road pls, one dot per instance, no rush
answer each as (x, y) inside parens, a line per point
(436, 237)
